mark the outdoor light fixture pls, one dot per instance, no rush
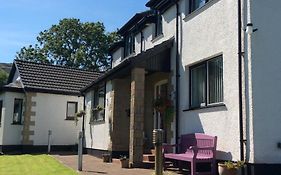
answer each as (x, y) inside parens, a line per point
(249, 29)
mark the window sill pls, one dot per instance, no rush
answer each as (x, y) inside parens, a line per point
(129, 56)
(69, 119)
(206, 107)
(16, 124)
(101, 121)
(189, 15)
(157, 38)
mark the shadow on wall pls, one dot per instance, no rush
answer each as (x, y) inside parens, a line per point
(226, 155)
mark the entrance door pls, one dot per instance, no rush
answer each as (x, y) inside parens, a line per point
(160, 91)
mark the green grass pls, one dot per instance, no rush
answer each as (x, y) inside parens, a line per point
(32, 165)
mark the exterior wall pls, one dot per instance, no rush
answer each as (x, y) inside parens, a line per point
(97, 135)
(266, 84)
(11, 134)
(207, 32)
(51, 115)
(117, 56)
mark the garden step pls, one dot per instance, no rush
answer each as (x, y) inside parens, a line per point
(148, 157)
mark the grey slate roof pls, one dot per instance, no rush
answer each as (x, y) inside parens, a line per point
(52, 79)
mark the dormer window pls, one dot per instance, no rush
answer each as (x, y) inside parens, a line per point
(129, 45)
(158, 24)
(196, 4)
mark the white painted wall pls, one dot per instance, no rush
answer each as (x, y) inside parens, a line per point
(97, 134)
(117, 56)
(207, 32)
(266, 78)
(50, 115)
(11, 134)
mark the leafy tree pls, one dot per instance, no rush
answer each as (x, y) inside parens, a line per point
(3, 77)
(74, 44)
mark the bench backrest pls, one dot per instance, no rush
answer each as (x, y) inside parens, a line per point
(198, 140)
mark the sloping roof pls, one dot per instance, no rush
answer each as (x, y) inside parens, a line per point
(134, 20)
(161, 5)
(131, 61)
(47, 78)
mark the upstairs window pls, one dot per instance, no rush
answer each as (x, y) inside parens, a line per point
(17, 115)
(129, 45)
(1, 106)
(206, 83)
(71, 110)
(158, 24)
(98, 110)
(196, 4)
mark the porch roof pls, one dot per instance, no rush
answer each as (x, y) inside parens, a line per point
(153, 59)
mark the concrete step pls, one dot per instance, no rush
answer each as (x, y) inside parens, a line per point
(148, 157)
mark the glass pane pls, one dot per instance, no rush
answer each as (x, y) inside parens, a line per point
(71, 109)
(215, 68)
(17, 111)
(99, 101)
(198, 86)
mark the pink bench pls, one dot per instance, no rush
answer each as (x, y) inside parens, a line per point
(194, 148)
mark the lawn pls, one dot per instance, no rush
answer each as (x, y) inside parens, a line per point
(32, 165)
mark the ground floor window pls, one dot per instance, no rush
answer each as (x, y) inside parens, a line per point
(206, 83)
(71, 110)
(17, 116)
(98, 108)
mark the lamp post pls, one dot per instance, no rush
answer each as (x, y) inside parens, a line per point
(158, 141)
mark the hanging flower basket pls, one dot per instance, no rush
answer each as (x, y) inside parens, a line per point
(95, 112)
(165, 107)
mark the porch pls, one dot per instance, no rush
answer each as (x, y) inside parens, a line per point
(136, 82)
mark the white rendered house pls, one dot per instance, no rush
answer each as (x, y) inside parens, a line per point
(39, 98)
(218, 60)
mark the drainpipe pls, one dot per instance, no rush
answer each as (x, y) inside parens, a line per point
(177, 73)
(240, 79)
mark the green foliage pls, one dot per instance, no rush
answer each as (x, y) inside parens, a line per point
(233, 165)
(3, 77)
(72, 43)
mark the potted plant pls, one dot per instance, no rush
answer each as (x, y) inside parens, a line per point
(79, 115)
(230, 168)
(124, 162)
(106, 158)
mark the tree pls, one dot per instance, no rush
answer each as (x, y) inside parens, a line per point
(74, 44)
(3, 77)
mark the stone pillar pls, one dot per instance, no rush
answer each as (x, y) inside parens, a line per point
(29, 120)
(137, 117)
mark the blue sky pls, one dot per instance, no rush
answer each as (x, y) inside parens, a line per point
(22, 20)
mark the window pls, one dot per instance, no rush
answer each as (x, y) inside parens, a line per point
(129, 45)
(196, 4)
(71, 110)
(1, 106)
(17, 116)
(158, 24)
(99, 104)
(206, 83)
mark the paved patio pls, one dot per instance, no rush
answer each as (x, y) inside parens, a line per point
(95, 166)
